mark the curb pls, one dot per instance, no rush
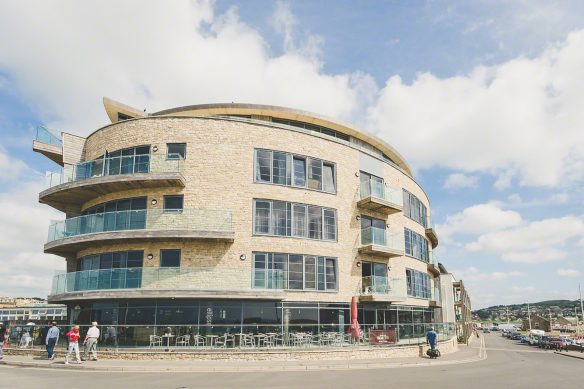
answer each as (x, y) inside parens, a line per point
(569, 355)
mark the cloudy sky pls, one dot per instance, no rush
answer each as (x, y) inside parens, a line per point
(485, 99)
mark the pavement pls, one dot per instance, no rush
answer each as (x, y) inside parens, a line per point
(509, 365)
(474, 352)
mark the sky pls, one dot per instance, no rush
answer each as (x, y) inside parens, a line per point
(483, 99)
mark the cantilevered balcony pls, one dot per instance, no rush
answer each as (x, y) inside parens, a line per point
(382, 289)
(376, 196)
(71, 235)
(164, 282)
(435, 300)
(433, 265)
(376, 241)
(48, 144)
(77, 184)
(431, 233)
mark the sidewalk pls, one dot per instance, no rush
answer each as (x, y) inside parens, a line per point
(466, 354)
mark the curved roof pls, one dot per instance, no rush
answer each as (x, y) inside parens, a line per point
(272, 111)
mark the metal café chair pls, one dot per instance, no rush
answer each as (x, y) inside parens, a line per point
(183, 340)
(155, 341)
(247, 340)
(199, 341)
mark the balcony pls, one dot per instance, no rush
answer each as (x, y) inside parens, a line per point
(435, 299)
(433, 265)
(71, 235)
(431, 233)
(376, 241)
(77, 184)
(375, 196)
(160, 282)
(48, 144)
(382, 289)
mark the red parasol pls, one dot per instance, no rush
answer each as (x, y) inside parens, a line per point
(355, 328)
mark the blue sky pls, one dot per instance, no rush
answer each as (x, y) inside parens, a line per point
(483, 98)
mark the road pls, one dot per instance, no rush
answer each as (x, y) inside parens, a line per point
(508, 365)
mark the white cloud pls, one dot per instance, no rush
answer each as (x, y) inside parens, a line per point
(11, 168)
(568, 272)
(479, 219)
(168, 54)
(523, 289)
(522, 118)
(538, 241)
(474, 274)
(460, 180)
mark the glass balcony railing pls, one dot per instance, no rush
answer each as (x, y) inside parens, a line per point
(380, 237)
(383, 285)
(377, 189)
(45, 136)
(152, 219)
(160, 278)
(436, 294)
(132, 164)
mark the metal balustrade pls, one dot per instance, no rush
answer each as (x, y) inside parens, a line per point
(152, 219)
(110, 166)
(183, 278)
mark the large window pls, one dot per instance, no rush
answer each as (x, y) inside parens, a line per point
(123, 214)
(282, 218)
(276, 167)
(294, 271)
(126, 161)
(169, 258)
(416, 245)
(116, 270)
(414, 209)
(176, 150)
(418, 284)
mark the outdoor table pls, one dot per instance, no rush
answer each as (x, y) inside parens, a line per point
(168, 336)
(259, 337)
(211, 340)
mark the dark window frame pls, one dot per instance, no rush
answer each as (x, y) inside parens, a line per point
(162, 251)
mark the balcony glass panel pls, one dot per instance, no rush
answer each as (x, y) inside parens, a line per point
(116, 165)
(45, 136)
(375, 187)
(153, 219)
(392, 287)
(374, 235)
(165, 278)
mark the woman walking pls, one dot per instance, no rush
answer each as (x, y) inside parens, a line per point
(73, 336)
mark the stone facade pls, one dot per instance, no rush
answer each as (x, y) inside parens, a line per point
(219, 175)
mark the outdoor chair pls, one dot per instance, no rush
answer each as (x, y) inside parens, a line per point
(247, 340)
(183, 340)
(155, 341)
(199, 341)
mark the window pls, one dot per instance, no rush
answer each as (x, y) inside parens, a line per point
(176, 150)
(173, 203)
(282, 168)
(414, 209)
(289, 219)
(371, 185)
(418, 284)
(328, 177)
(416, 245)
(299, 272)
(169, 258)
(299, 172)
(123, 116)
(314, 174)
(372, 231)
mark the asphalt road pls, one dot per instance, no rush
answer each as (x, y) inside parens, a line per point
(508, 365)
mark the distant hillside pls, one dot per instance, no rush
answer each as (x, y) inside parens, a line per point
(516, 312)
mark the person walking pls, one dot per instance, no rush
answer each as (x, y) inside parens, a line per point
(51, 340)
(73, 336)
(431, 337)
(2, 339)
(90, 341)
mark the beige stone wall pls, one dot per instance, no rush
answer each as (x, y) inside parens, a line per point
(219, 173)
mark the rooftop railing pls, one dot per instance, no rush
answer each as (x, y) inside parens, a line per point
(383, 285)
(160, 278)
(45, 136)
(110, 166)
(377, 189)
(380, 237)
(152, 219)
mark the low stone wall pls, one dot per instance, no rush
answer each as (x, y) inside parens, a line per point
(274, 354)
